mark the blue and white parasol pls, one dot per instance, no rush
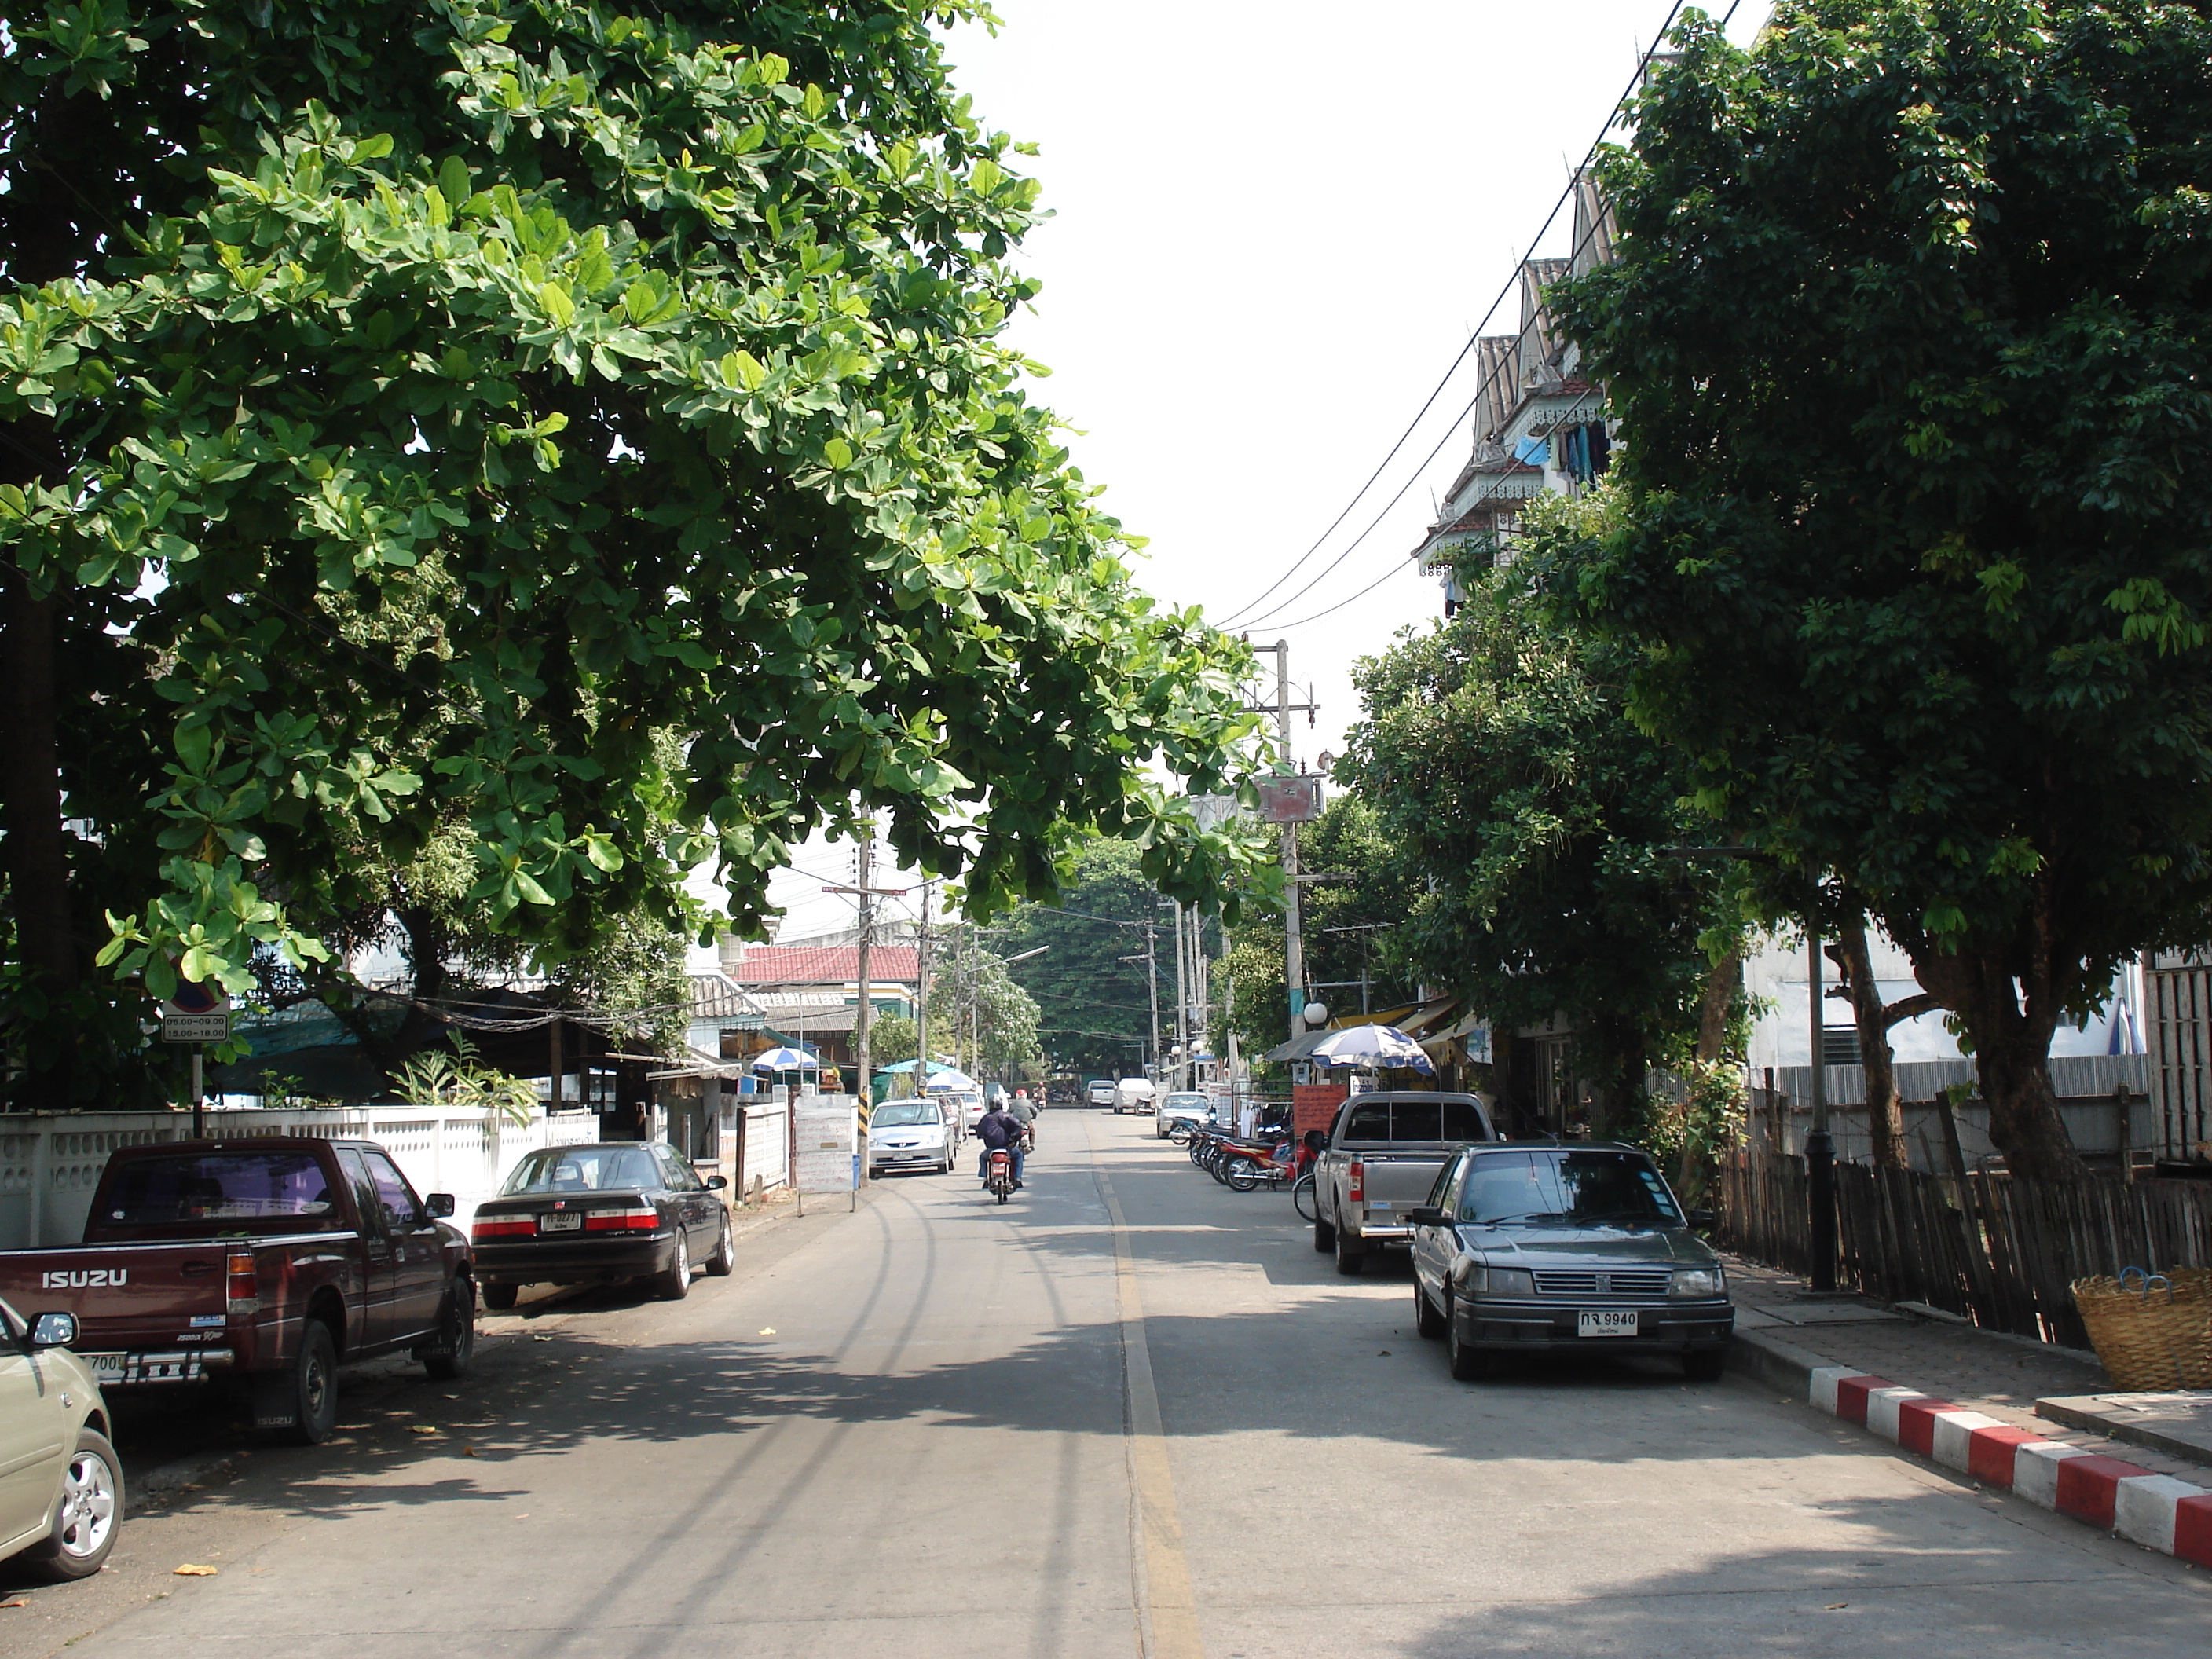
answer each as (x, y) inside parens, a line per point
(1378, 1045)
(787, 1060)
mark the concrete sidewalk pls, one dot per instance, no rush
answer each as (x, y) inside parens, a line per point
(2004, 1411)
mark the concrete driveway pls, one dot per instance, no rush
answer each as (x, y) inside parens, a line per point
(1131, 1413)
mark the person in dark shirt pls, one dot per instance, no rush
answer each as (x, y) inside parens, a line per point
(999, 1127)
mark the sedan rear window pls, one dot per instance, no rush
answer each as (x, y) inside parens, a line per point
(1566, 1188)
(582, 1169)
(241, 1186)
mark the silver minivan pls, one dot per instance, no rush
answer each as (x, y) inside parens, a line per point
(1534, 1247)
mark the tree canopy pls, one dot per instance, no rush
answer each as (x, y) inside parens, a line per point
(587, 429)
(1910, 346)
(1542, 830)
(1094, 1004)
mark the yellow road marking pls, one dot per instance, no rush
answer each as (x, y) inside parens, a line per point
(1167, 1613)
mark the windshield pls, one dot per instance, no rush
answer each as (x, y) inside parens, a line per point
(581, 1170)
(153, 1192)
(1566, 1188)
(904, 1114)
(1196, 1103)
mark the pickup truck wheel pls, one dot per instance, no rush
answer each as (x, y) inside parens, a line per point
(500, 1298)
(1324, 1236)
(724, 1258)
(1351, 1260)
(673, 1282)
(447, 1358)
(82, 1530)
(1427, 1322)
(312, 1390)
(1467, 1364)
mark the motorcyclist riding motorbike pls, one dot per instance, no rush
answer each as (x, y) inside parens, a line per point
(996, 1129)
(1020, 1107)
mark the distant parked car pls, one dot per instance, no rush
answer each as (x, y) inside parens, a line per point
(61, 1484)
(968, 1102)
(1185, 1106)
(1101, 1090)
(1134, 1094)
(593, 1214)
(912, 1134)
(1529, 1247)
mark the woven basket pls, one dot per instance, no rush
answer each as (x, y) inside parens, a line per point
(2154, 1331)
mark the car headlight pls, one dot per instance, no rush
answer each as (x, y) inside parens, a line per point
(1698, 1281)
(1502, 1281)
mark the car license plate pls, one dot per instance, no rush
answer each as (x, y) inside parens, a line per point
(1605, 1321)
(108, 1367)
(561, 1222)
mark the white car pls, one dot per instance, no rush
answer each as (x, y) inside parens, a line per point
(912, 1134)
(1134, 1094)
(968, 1104)
(1186, 1106)
(1102, 1091)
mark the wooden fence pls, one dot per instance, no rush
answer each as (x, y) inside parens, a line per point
(1997, 1251)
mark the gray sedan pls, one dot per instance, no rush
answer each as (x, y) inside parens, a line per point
(1536, 1248)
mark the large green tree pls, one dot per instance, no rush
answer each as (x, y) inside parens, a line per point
(1910, 340)
(419, 413)
(1544, 829)
(1095, 1002)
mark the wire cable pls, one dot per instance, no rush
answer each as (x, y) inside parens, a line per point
(1643, 64)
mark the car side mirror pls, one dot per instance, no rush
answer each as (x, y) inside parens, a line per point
(54, 1330)
(1701, 1220)
(440, 1205)
(1426, 1215)
(715, 1183)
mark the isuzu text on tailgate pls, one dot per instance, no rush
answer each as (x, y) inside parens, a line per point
(257, 1268)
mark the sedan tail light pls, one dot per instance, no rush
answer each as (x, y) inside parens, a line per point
(622, 1221)
(508, 1226)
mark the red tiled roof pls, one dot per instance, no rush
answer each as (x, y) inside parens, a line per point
(824, 965)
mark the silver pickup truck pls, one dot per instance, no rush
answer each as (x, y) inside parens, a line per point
(1382, 1160)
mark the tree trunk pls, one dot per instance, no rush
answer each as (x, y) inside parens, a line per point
(2012, 1053)
(35, 846)
(1722, 981)
(1885, 1111)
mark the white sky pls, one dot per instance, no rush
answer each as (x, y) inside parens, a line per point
(1273, 233)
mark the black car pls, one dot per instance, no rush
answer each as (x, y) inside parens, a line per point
(588, 1215)
(1531, 1247)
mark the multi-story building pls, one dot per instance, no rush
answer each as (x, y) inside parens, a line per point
(1539, 424)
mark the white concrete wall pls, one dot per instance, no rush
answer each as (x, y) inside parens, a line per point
(50, 1162)
(1780, 1034)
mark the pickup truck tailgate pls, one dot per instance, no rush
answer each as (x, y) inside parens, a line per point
(139, 1299)
(1394, 1182)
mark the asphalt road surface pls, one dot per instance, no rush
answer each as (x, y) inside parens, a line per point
(1130, 1413)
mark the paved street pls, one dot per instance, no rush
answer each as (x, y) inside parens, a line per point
(1131, 1412)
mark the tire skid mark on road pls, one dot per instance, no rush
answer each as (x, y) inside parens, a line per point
(1167, 1613)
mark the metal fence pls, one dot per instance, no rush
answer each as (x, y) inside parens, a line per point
(1999, 1251)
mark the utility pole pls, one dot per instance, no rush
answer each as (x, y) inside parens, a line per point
(866, 943)
(1152, 981)
(1294, 943)
(1182, 1003)
(921, 998)
(1820, 1151)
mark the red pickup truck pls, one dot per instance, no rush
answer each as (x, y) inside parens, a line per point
(259, 1266)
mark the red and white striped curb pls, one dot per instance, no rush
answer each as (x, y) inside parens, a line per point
(2172, 1517)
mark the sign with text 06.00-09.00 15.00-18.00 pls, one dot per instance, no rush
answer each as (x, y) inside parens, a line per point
(197, 1013)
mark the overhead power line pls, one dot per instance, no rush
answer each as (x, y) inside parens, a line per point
(1249, 621)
